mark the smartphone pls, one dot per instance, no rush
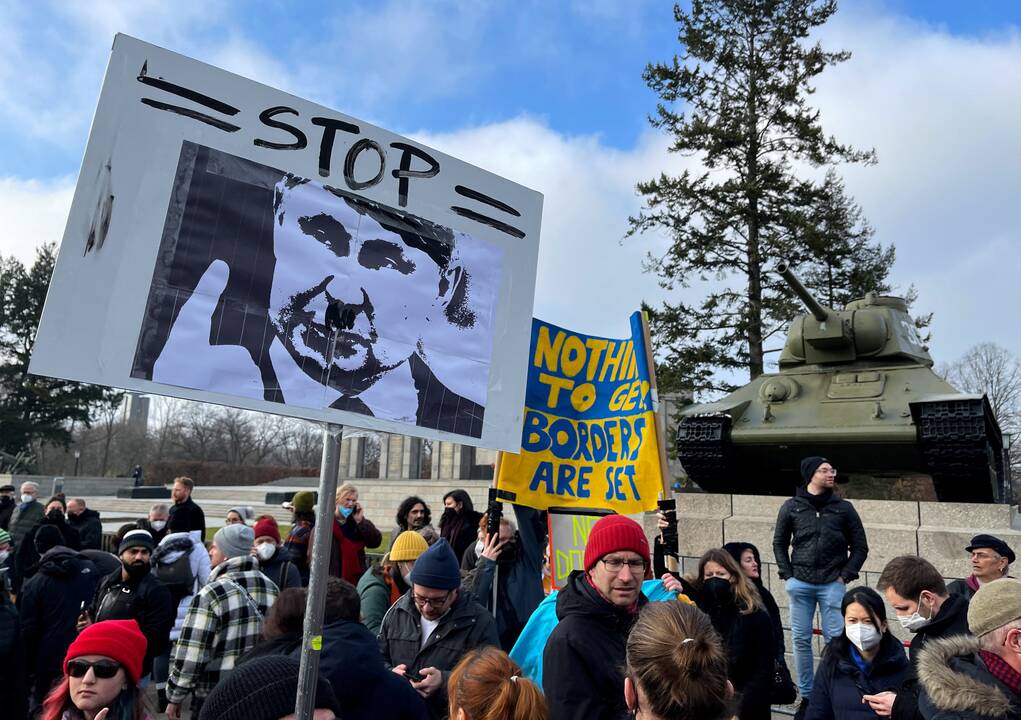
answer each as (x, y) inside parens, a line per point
(414, 676)
(495, 510)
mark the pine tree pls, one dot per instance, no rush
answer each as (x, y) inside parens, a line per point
(737, 101)
(32, 408)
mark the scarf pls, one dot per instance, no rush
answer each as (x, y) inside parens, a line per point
(1002, 671)
(350, 556)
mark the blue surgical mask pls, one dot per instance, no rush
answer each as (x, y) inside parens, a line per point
(344, 511)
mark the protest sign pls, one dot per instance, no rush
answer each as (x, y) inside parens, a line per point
(221, 229)
(589, 437)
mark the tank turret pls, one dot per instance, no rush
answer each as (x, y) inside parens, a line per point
(855, 385)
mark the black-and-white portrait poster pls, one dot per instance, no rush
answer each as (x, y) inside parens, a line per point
(233, 244)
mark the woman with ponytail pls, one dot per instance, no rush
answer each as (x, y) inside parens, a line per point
(676, 666)
(488, 685)
(735, 609)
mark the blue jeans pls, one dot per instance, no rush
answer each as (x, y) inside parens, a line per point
(803, 599)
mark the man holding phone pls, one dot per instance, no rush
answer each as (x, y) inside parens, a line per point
(352, 533)
(427, 632)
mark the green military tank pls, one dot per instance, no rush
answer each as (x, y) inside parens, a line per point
(857, 387)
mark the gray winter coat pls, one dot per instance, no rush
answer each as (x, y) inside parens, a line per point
(466, 626)
(957, 685)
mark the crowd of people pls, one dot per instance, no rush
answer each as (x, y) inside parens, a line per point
(452, 622)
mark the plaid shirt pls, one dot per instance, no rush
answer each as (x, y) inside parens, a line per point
(223, 622)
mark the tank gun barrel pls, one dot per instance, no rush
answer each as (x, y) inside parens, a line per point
(813, 305)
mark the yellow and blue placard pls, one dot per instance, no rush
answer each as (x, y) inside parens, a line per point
(589, 436)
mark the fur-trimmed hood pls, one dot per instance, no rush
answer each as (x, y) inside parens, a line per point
(956, 680)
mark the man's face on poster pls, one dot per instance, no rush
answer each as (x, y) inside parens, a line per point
(387, 290)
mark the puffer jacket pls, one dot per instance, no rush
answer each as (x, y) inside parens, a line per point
(584, 657)
(171, 547)
(957, 685)
(466, 626)
(827, 543)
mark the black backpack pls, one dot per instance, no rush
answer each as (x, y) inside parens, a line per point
(177, 576)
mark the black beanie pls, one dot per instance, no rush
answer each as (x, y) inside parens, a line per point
(809, 465)
(47, 537)
(263, 689)
(437, 568)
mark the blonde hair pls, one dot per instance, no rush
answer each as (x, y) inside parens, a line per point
(747, 596)
(677, 659)
(344, 490)
(488, 685)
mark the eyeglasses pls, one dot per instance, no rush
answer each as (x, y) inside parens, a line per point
(615, 565)
(432, 602)
(104, 669)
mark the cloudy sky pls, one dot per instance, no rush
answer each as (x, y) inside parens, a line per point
(550, 95)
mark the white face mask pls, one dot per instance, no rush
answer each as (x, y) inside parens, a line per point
(479, 547)
(158, 525)
(27, 498)
(4, 554)
(265, 551)
(863, 636)
(915, 622)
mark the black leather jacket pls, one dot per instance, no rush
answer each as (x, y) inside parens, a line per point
(827, 543)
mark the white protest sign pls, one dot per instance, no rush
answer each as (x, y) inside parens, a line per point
(218, 221)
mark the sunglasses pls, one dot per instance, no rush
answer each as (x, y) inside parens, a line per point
(104, 669)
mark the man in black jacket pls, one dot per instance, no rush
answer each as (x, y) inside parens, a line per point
(47, 607)
(918, 595)
(26, 559)
(185, 507)
(429, 630)
(133, 593)
(585, 654)
(829, 548)
(350, 660)
(87, 523)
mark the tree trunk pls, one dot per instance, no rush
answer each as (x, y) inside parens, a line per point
(755, 360)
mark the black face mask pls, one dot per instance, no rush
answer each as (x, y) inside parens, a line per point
(6, 500)
(718, 592)
(449, 513)
(56, 515)
(509, 553)
(137, 571)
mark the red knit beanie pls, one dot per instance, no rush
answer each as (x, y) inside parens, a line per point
(266, 526)
(614, 533)
(119, 640)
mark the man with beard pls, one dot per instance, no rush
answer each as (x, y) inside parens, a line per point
(412, 514)
(187, 510)
(132, 593)
(460, 522)
(6, 505)
(585, 654)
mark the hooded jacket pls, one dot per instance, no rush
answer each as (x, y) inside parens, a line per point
(89, 528)
(585, 654)
(466, 626)
(378, 591)
(26, 559)
(48, 607)
(827, 543)
(952, 619)
(956, 684)
(171, 548)
(840, 683)
(366, 689)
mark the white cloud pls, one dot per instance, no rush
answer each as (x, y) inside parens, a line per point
(34, 212)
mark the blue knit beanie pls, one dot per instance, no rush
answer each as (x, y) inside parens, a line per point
(437, 568)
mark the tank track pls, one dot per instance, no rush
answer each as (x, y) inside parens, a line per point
(955, 440)
(703, 443)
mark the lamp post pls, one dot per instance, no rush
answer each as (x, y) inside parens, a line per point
(77, 457)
